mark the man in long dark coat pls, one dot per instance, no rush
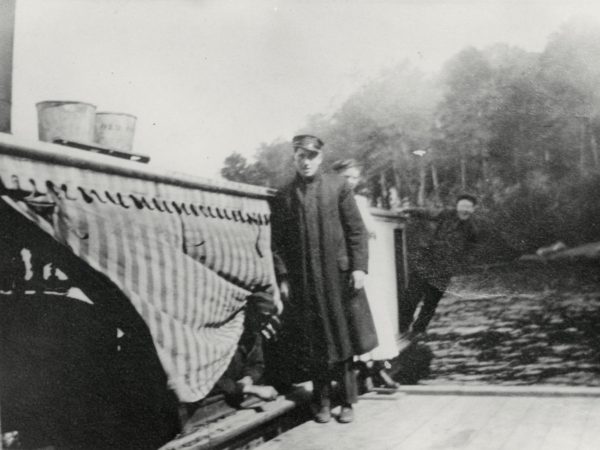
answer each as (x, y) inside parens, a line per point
(321, 248)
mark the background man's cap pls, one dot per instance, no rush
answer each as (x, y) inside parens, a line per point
(467, 196)
(308, 142)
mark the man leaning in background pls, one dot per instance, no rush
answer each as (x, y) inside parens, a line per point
(436, 262)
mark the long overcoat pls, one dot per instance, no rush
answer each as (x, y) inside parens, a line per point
(315, 319)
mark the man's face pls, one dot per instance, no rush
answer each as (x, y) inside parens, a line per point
(465, 209)
(352, 175)
(306, 162)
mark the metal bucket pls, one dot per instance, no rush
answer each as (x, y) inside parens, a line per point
(71, 121)
(115, 130)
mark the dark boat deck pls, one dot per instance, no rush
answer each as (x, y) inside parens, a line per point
(458, 417)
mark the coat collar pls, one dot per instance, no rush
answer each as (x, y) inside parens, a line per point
(300, 181)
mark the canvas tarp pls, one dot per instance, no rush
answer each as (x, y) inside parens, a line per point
(186, 257)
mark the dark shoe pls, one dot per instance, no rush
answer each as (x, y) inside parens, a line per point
(346, 414)
(323, 415)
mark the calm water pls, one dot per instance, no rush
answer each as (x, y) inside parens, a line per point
(519, 325)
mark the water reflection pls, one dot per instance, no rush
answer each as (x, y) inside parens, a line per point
(519, 326)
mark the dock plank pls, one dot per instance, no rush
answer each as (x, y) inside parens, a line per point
(210, 435)
(590, 438)
(371, 428)
(568, 431)
(475, 414)
(444, 429)
(534, 426)
(477, 421)
(505, 421)
(500, 390)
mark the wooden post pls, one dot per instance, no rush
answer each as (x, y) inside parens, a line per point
(594, 147)
(397, 177)
(422, 181)
(485, 170)
(582, 143)
(589, 143)
(7, 32)
(384, 190)
(463, 172)
(435, 181)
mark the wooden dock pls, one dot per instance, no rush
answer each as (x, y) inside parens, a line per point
(459, 417)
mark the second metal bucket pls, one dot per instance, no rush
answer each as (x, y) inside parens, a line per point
(115, 130)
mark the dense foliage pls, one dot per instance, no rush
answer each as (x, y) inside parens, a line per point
(519, 129)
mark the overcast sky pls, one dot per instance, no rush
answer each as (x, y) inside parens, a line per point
(206, 78)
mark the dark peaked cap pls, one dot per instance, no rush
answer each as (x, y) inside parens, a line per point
(308, 142)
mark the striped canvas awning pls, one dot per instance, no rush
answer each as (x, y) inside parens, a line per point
(186, 252)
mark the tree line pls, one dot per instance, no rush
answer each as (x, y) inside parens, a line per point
(519, 129)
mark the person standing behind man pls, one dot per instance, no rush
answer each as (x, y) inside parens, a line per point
(375, 362)
(435, 263)
(320, 246)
